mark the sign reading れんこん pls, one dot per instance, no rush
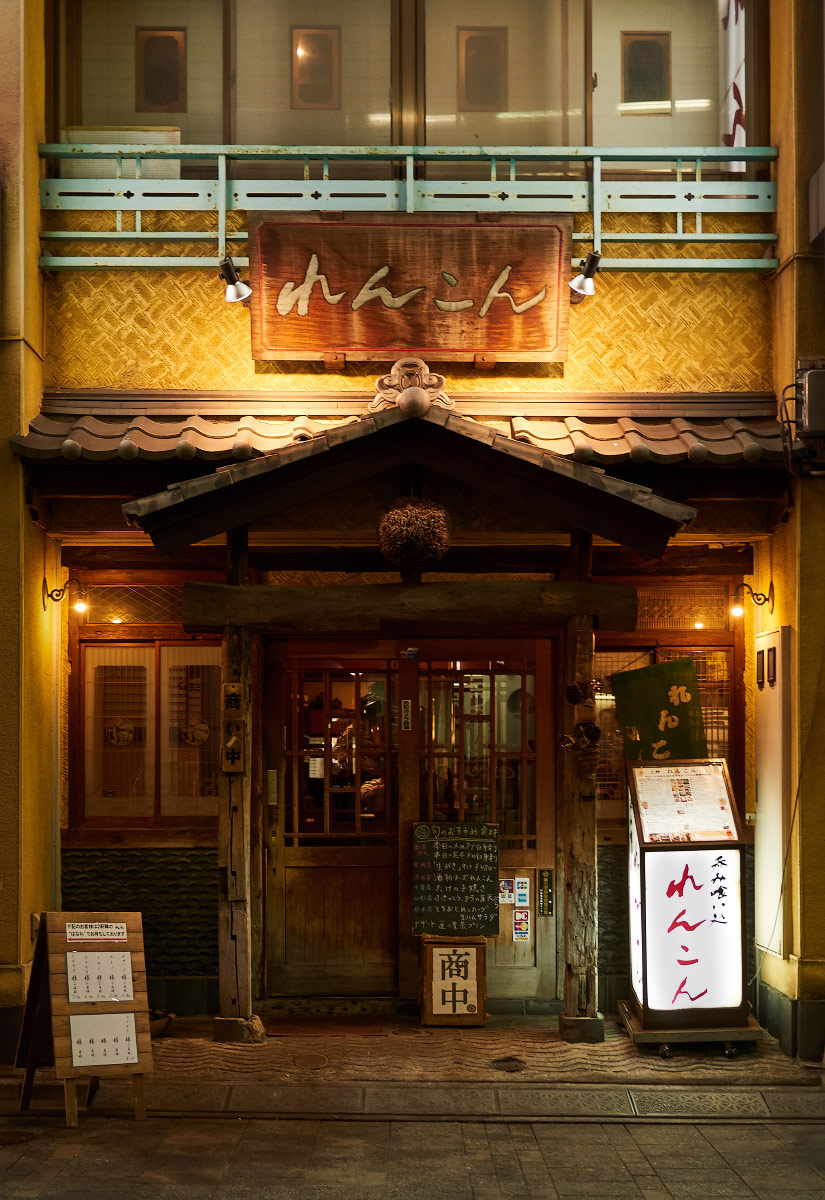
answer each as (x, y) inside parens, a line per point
(452, 288)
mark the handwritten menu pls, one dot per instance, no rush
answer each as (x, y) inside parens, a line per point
(96, 975)
(685, 802)
(455, 880)
(103, 1039)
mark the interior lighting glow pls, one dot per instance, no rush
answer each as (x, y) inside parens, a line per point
(535, 114)
(698, 624)
(645, 108)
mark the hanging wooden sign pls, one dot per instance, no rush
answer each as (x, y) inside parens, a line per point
(451, 289)
(87, 1010)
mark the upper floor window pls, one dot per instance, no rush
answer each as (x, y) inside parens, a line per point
(448, 72)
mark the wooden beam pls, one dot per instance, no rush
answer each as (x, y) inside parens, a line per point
(315, 555)
(503, 607)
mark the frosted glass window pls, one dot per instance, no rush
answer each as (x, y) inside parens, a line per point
(504, 73)
(120, 731)
(190, 698)
(335, 92)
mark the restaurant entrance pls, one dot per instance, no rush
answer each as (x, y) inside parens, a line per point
(363, 740)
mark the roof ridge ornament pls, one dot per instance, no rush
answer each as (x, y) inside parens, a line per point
(411, 386)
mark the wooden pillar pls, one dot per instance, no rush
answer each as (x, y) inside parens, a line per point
(408, 814)
(581, 1020)
(234, 921)
(235, 802)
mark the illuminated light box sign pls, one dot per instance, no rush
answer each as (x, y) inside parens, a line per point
(685, 897)
(447, 289)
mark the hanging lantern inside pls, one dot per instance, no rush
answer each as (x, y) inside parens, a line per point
(414, 534)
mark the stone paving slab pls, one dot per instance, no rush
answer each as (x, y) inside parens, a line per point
(433, 1100)
(565, 1102)
(298, 1098)
(708, 1102)
(802, 1102)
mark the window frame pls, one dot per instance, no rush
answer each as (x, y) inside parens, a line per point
(662, 37)
(463, 35)
(407, 70)
(142, 36)
(83, 633)
(333, 34)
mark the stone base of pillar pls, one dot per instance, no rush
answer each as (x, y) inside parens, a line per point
(581, 1029)
(238, 1029)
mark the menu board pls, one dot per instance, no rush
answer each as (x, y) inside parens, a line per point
(99, 975)
(455, 880)
(684, 801)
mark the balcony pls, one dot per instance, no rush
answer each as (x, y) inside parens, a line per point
(643, 208)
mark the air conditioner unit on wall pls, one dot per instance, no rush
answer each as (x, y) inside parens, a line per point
(121, 135)
(811, 403)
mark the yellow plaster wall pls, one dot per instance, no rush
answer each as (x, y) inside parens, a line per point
(798, 548)
(27, 633)
(652, 332)
(776, 560)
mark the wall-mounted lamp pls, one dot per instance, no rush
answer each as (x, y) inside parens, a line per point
(58, 594)
(236, 289)
(738, 609)
(583, 285)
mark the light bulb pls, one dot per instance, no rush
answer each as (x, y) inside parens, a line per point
(737, 611)
(80, 606)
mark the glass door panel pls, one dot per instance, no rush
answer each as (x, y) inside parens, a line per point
(341, 757)
(478, 747)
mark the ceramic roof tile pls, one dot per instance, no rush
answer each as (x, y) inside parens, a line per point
(596, 442)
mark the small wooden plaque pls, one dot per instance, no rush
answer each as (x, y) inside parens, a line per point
(454, 981)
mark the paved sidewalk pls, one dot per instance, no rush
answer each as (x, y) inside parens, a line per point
(247, 1159)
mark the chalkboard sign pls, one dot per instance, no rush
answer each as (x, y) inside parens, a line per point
(455, 880)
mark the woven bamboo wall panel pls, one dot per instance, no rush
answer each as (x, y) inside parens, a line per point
(644, 332)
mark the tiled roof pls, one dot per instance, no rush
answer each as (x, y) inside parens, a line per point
(604, 442)
(627, 512)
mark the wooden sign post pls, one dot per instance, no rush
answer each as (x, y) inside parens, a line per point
(87, 1010)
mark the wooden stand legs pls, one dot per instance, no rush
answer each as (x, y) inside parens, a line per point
(70, 1092)
(70, 1095)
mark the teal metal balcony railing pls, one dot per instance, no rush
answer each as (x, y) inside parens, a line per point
(685, 182)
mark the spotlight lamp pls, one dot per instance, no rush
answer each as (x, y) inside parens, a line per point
(58, 594)
(738, 608)
(583, 285)
(236, 289)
